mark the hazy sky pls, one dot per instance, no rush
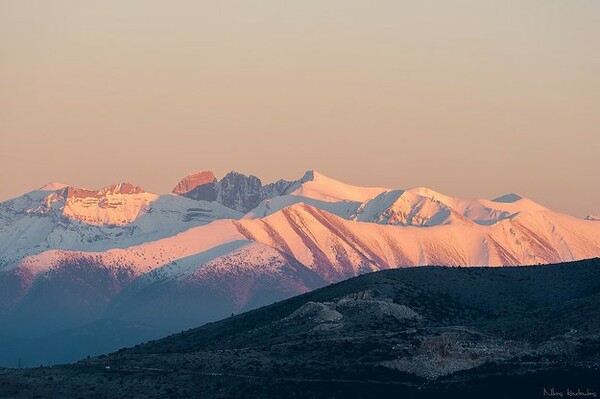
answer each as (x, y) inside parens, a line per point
(470, 98)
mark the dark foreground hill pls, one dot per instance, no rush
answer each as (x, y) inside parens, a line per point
(528, 332)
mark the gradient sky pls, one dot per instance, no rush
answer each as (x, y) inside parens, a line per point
(470, 98)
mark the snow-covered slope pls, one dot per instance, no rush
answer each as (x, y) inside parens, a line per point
(337, 248)
(62, 217)
(320, 187)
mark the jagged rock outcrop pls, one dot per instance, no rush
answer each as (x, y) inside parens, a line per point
(236, 190)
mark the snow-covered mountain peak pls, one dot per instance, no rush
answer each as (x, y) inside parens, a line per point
(317, 186)
(427, 192)
(400, 207)
(190, 182)
(425, 207)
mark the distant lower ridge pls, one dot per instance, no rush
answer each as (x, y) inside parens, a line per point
(413, 333)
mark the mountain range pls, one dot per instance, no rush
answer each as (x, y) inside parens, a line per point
(128, 265)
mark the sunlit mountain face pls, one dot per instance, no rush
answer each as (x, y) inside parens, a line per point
(127, 265)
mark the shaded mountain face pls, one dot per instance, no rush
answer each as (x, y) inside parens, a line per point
(71, 257)
(416, 332)
(237, 191)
